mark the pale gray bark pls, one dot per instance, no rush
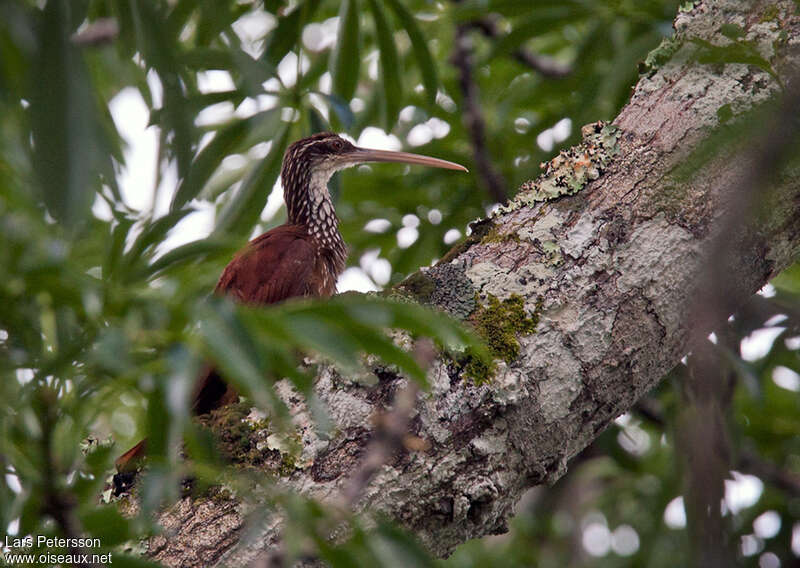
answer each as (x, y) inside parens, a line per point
(611, 270)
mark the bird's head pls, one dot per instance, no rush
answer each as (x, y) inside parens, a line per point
(319, 156)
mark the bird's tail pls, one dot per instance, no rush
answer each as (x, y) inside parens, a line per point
(130, 460)
(212, 392)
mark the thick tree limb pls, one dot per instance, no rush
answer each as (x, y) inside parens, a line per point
(610, 272)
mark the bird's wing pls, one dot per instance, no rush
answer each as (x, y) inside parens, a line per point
(275, 266)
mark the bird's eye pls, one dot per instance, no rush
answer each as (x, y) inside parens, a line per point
(337, 144)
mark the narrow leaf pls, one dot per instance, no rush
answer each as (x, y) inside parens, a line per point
(207, 161)
(152, 234)
(190, 252)
(335, 341)
(62, 119)
(161, 50)
(233, 349)
(287, 32)
(107, 524)
(345, 62)
(315, 121)
(390, 65)
(244, 209)
(419, 45)
(340, 108)
(245, 358)
(116, 246)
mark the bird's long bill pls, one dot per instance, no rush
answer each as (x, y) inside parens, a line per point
(361, 155)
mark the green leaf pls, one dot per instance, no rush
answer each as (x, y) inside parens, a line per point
(63, 121)
(116, 246)
(330, 340)
(107, 524)
(162, 52)
(244, 208)
(345, 62)
(234, 350)
(789, 279)
(179, 16)
(216, 17)
(286, 34)
(343, 326)
(319, 66)
(316, 121)
(153, 233)
(190, 252)
(372, 339)
(197, 102)
(208, 160)
(394, 547)
(158, 423)
(340, 108)
(737, 52)
(419, 44)
(390, 65)
(207, 58)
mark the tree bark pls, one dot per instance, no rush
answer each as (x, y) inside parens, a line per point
(606, 251)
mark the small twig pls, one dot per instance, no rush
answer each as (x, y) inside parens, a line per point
(703, 446)
(387, 441)
(544, 65)
(473, 118)
(748, 461)
(787, 481)
(391, 434)
(58, 504)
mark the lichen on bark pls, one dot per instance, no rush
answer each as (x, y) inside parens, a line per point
(572, 169)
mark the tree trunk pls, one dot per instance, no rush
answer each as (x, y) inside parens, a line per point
(605, 254)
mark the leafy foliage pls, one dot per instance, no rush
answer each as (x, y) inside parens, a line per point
(104, 323)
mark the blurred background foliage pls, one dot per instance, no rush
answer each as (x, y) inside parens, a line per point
(104, 308)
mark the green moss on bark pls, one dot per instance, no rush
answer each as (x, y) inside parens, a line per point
(500, 324)
(659, 56)
(495, 236)
(419, 286)
(232, 432)
(237, 439)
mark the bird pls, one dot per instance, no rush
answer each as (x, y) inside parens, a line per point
(301, 258)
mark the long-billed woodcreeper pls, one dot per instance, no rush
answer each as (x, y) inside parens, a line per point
(303, 257)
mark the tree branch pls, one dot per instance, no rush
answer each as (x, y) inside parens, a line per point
(546, 66)
(473, 117)
(605, 252)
